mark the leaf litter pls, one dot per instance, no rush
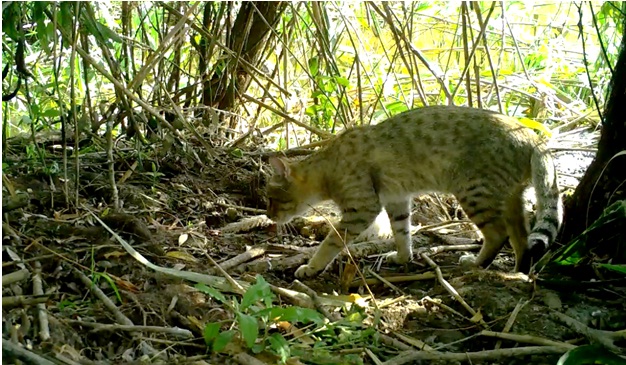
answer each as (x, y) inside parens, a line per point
(74, 291)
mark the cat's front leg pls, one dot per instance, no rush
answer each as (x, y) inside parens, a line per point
(359, 214)
(399, 213)
(328, 250)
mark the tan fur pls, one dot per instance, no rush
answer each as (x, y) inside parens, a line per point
(485, 159)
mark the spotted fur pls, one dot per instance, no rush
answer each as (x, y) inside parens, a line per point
(484, 158)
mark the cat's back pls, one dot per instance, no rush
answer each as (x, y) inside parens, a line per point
(437, 130)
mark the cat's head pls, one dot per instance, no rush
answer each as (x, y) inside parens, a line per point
(288, 192)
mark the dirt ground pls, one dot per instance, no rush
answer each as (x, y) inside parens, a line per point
(180, 211)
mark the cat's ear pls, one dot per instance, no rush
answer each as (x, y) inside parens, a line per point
(281, 167)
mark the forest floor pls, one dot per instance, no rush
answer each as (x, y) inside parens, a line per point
(80, 295)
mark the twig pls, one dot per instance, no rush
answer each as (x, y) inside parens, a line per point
(42, 314)
(298, 285)
(282, 264)
(248, 255)
(11, 350)
(392, 342)
(15, 276)
(527, 339)
(373, 356)
(22, 300)
(451, 289)
(397, 279)
(511, 320)
(446, 307)
(605, 338)
(309, 128)
(238, 288)
(448, 248)
(119, 316)
(384, 281)
(414, 342)
(243, 209)
(174, 331)
(488, 355)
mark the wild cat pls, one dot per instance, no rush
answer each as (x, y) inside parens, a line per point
(484, 158)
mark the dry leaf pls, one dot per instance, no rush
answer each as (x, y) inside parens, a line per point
(181, 255)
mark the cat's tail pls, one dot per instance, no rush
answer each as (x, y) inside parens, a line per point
(549, 206)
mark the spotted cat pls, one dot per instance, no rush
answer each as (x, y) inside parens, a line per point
(484, 158)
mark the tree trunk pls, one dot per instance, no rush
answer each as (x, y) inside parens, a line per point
(249, 33)
(605, 180)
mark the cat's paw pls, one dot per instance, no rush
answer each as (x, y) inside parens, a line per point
(305, 272)
(468, 261)
(399, 258)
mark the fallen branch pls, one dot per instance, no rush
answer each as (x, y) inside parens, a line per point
(528, 339)
(487, 355)
(332, 316)
(511, 320)
(42, 313)
(248, 255)
(97, 327)
(108, 303)
(450, 289)
(15, 276)
(605, 338)
(11, 350)
(23, 300)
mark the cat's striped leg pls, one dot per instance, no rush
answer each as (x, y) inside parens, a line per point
(399, 213)
(358, 214)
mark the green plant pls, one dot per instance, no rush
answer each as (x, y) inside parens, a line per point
(255, 306)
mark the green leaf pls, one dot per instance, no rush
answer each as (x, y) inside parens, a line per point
(590, 354)
(107, 33)
(51, 113)
(249, 328)
(212, 292)
(211, 330)
(237, 152)
(280, 346)
(313, 66)
(222, 340)
(396, 107)
(66, 17)
(112, 285)
(259, 291)
(42, 29)
(617, 268)
(342, 81)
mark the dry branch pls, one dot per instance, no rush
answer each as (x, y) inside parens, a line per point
(15, 276)
(97, 327)
(11, 350)
(488, 355)
(42, 313)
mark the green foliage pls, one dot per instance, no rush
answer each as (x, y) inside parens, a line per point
(256, 316)
(256, 307)
(610, 225)
(590, 354)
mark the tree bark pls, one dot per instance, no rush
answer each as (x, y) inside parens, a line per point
(604, 182)
(249, 33)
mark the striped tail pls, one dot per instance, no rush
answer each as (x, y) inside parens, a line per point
(549, 205)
